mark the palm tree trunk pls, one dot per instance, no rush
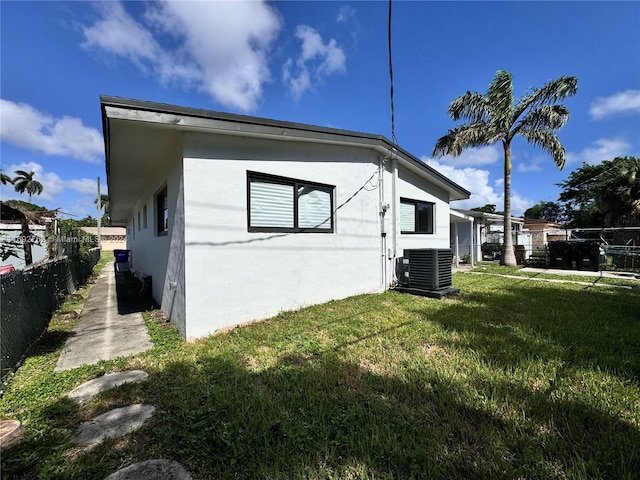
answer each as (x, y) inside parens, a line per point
(508, 255)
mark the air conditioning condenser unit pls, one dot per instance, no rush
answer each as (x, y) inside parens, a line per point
(426, 271)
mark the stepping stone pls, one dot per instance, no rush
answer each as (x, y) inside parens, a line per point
(88, 389)
(113, 424)
(10, 433)
(152, 470)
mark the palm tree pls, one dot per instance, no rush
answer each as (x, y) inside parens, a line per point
(104, 203)
(4, 178)
(493, 117)
(25, 182)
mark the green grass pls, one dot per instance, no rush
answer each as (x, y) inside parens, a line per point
(510, 379)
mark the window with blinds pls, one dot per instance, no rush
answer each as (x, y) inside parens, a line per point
(278, 204)
(416, 216)
(162, 212)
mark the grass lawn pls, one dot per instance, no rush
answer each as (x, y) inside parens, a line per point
(511, 379)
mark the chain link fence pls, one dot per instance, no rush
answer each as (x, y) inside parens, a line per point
(29, 298)
(621, 246)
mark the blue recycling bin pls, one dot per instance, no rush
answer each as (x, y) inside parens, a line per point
(122, 260)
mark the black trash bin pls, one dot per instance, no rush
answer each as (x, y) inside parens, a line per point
(587, 255)
(561, 255)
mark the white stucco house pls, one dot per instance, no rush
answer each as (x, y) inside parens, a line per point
(237, 218)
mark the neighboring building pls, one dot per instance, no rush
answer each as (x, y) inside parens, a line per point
(543, 232)
(470, 230)
(11, 234)
(13, 221)
(237, 218)
(111, 238)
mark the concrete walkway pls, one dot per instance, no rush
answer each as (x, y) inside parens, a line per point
(582, 273)
(109, 325)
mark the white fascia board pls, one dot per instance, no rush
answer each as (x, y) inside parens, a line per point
(457, 216)
(193, 123)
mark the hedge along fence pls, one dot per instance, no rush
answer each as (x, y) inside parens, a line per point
(29, 297)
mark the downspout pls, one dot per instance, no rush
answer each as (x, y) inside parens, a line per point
(383, 234)
(394, 206)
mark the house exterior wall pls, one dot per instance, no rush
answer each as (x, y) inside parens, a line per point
(234, 276)
(464, 240)
(209, 272)
(161, 256)
(410, 185)
(109, 242)
(111, 238)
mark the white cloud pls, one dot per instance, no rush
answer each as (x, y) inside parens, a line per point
(533, 166)
(87, 186)
(345, 13)
(25, 127)
(219, 48)
(118, 33)
(52, 184)
(536, 164)
(316, 61)
(619, 103)
(482, 192)
(81, 208)
(603, 149)
(474, 157)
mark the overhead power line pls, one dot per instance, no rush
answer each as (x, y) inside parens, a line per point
(393, 120)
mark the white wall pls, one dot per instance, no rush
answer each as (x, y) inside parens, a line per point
(209, 272)
(234, 276)
(464, 240)
(410, 185)
(9, 232)
(161, 256)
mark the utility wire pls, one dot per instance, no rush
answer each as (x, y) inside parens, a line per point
(393, 120)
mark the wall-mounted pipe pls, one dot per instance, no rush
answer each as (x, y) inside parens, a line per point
(383, 233)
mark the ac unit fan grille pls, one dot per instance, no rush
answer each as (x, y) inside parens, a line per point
(429, 268)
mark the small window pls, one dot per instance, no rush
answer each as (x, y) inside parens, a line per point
(277, 204)
(144, 216)
(162, 212)
(139, 221)
(416, 216)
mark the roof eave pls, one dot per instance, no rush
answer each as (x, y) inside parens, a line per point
(233, 124)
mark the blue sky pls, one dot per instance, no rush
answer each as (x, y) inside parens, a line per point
(323, 63)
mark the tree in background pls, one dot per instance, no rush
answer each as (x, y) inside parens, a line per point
(24, 182)
(493, 117)
(4, 178)
(106, 216)
(548, 211)
(488, 208)
(32, 207)
(603, 195)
